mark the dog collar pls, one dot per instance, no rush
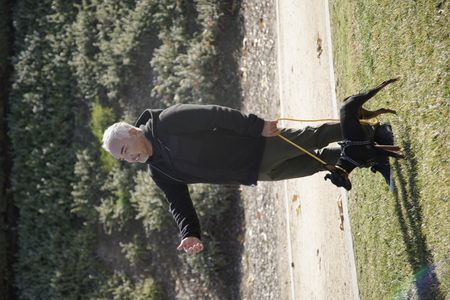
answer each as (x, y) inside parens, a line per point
(347, 143)
(342, 169)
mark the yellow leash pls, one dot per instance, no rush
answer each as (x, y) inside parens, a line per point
(302, 149)
(324, 164)
(372, 122)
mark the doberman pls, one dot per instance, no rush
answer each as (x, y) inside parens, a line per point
(362, 147)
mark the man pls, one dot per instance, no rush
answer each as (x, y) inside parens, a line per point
(187, 143)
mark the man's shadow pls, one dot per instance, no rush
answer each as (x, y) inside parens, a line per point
(409, 213)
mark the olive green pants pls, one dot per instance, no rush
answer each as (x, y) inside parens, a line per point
(281, 160)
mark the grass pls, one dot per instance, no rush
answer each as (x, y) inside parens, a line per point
(401, 238)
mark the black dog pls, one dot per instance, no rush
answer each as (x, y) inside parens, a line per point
(363, 146)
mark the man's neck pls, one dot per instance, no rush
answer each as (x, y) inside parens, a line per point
(148, 146)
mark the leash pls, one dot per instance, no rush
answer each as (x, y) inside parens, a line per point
(322, 162)
(302, 149)
(373, 121)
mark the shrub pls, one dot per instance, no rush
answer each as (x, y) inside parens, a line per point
(115, 210)
(87, 188)
(120, 287)
(136, 250)
(186, 63)
(101, 118)
(71, 57)
(149, 204)
(213, 205)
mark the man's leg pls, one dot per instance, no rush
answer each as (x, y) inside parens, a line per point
(301, 165)
(311, 138)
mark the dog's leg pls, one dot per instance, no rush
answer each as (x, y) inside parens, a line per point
(372, 92)
(388, 147)
(350, 112)
(365, 114)
(354, 103)
(391, 153)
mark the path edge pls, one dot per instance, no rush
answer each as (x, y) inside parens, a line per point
(348, 232)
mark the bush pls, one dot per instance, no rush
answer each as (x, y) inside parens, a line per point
(42, 130)
(71, 58)
(135, 251)
(115, 210)
(213, 205)
(101, 118)
(149, 204)
(87, 188)
(186, 63)
(120, 287)
(107, 34)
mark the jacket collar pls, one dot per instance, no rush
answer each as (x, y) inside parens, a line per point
(146, 122)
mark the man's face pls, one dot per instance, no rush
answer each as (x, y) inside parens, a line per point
(132, 148)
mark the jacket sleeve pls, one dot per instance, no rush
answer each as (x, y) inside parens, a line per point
(186, 118)
(180, 205)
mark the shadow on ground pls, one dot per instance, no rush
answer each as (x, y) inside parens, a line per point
(409, 213)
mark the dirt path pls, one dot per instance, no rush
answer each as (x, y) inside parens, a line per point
(320, 252)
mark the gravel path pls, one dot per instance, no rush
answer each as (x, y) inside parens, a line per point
(264, 247)
(321, 264)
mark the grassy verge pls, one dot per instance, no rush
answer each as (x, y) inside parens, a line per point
(402, 238)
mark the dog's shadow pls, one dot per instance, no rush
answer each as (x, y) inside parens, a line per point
(409, 212)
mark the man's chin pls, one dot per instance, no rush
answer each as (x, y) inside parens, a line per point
(143, 159)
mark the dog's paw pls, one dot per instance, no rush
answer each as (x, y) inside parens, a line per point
(389, 111)
(392, 80)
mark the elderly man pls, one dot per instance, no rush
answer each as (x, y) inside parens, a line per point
(186, 144)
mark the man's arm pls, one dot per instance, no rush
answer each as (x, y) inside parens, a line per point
(185, 118)
(183, 212)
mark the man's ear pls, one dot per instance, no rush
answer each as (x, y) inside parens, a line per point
(133, 131)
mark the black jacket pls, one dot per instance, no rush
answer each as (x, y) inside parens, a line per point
(200, 144)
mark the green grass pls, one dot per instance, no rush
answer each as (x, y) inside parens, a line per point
(397, 235)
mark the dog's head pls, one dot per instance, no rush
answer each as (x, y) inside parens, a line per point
(339, 179)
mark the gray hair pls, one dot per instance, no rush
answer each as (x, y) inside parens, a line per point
(116, 131)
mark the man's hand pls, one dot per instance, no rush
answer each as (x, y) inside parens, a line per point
(270, 129)
(191, 245)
